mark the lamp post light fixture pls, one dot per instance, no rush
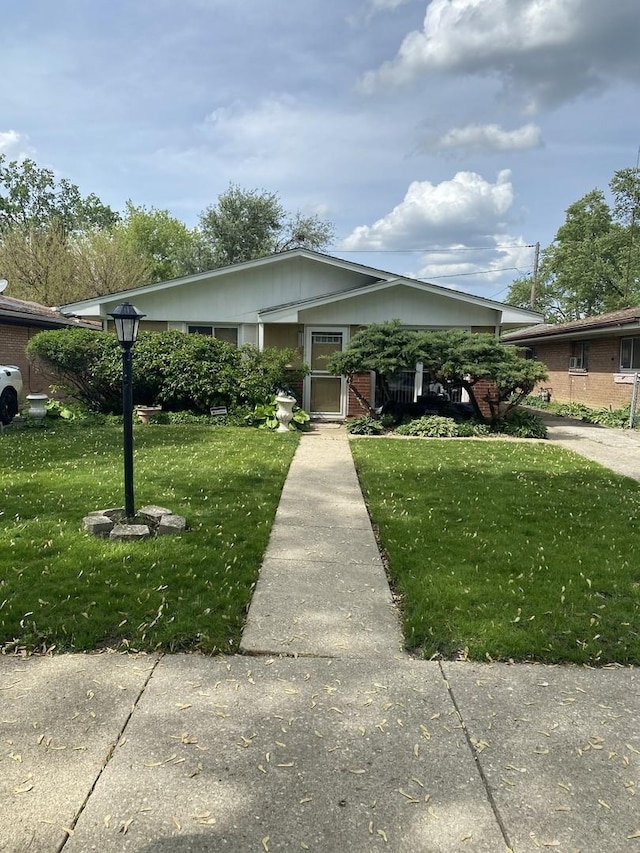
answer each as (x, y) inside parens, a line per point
(126, 318)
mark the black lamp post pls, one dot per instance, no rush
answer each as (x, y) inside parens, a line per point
(127, 319)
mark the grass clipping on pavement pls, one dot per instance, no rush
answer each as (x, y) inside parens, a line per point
(507, 550)
(65, 589)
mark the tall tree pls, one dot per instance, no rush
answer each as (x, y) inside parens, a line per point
(593, 265)
(165, 241)
(38, 265)
(48, 231)
(248, 224)
(42, 265)
(625, 187)
(104, 262)
(32, 197)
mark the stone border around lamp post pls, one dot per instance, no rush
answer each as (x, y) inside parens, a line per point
(150, 521)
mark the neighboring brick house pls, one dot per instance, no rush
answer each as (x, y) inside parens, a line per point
(593, 361)
(309, 302)
(19, 322)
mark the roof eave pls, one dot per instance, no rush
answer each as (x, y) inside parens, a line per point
(616, 329)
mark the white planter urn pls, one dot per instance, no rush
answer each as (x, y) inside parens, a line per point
(146, 412)
(37, 404)
(284, 411)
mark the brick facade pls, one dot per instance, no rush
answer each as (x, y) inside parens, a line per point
(362, 381)
(483, 389)
(13, 340)
(595, 386)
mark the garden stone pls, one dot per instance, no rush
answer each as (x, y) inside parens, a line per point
(129, 532)
(171, 524)
(112, 513)
(97, 524)
(153, 513)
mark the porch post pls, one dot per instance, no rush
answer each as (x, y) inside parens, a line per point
(417, 382)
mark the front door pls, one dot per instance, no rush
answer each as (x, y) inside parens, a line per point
(325, 395)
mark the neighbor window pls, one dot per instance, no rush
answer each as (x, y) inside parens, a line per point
(579, 356)
(222, 333)
(630, 354)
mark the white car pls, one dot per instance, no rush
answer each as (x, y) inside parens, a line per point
(10, 389)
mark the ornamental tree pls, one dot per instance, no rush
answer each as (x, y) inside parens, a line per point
(456, 357)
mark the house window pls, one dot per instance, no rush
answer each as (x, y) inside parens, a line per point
(579, 356)
(222, 333)
(630, 354)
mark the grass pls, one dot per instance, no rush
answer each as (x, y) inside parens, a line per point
(60, 587)
(507, 550)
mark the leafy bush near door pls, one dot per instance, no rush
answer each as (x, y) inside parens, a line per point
(171, 369)
(264, 417)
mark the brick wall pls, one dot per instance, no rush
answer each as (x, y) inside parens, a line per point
(482, 389)
(362, 381)
(296, 387)
(595, 386)
(13, 340)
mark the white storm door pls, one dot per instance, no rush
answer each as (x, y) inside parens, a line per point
(325, 395)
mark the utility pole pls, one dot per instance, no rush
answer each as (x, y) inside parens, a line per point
(534, 278)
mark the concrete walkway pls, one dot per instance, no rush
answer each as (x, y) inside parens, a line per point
(616, 449)
(324, 736)
(322, 589)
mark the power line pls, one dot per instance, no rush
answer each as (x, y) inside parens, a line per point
(476, 272)
(441, 249)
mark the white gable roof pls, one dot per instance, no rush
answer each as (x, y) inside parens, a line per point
(301, 286)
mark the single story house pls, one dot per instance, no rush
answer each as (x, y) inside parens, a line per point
(307, 301)
(593, 361)
(19, 322)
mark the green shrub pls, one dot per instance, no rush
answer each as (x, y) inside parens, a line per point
(59, 409)
(364, 425)
(430, 426)
(184, 372)
(613, 418)
(88, 365)
(262, 373)
(572, 410)
(176, 371)
(523, 424)
(264, 417)
(472, 429)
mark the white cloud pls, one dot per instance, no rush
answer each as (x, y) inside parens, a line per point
(458, 228)
(486, 137)
(467, 207)
(14, 145)
(547, 51)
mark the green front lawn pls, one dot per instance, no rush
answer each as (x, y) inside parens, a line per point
(60, 587)
(507, 550)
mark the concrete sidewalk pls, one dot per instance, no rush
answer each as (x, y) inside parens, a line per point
(324, 736)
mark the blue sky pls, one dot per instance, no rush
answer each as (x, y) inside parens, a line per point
(441, 138)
